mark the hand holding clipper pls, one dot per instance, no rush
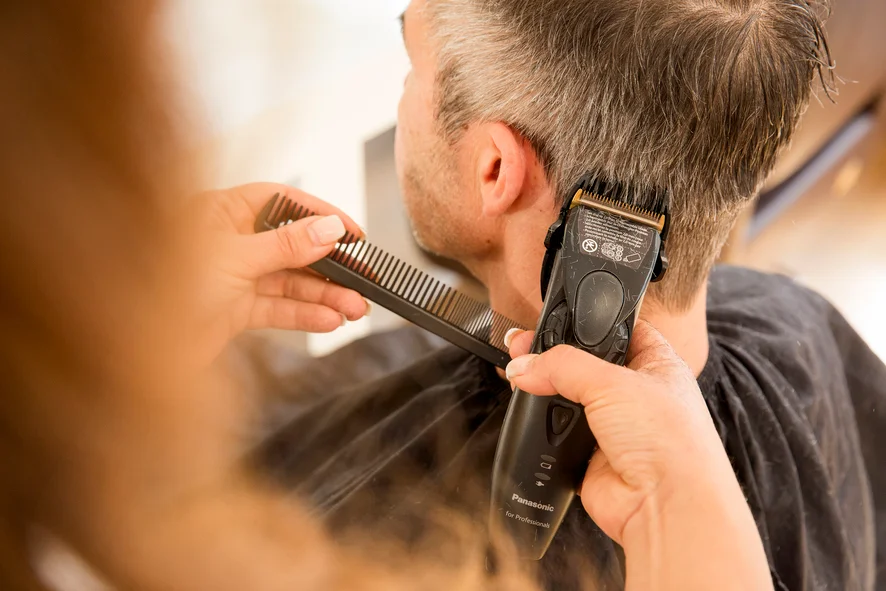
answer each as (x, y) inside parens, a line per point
(601, 256)
(669, 497)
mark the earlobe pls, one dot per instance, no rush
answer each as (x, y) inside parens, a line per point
(502, 168)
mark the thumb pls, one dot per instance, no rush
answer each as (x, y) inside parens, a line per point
(293, 246)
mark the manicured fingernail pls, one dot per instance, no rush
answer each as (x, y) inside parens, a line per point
(368, 307)
(326, 231)
(509, 337)
(519, 366)
(344, 320)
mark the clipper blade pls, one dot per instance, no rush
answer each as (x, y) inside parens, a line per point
(614, 198)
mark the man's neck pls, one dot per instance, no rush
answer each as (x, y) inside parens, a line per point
(514, 290)
(687, 332)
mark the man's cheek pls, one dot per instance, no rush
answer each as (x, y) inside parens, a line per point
(400, 151)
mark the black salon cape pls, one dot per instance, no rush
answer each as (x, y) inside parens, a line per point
(798, 398)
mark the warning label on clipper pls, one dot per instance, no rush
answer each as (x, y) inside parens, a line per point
(615, 238)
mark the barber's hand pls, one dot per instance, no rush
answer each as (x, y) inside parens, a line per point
(255, 281)
(660, 480)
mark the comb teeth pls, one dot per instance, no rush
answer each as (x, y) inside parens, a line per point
(281, 210)
(373, 265)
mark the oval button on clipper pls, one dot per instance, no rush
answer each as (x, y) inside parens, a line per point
(599, 300)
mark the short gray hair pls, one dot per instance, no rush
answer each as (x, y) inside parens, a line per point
(696, 96)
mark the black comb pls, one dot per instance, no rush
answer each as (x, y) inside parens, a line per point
(403, 289)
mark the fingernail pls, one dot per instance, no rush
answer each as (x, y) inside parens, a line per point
(326, 231)
(363, 230)
(344, 320)
(368, 307)
(509, 337)
(519, 366)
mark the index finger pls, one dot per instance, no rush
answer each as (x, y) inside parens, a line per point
(256, 196)
(519, 342)
(570, 372)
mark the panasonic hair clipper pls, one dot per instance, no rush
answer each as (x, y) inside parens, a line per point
(602, 253)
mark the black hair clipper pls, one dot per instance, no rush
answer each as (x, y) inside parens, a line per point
(601, 256)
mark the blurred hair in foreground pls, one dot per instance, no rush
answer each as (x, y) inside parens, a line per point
(109, 439)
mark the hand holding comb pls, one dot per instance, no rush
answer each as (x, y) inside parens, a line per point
(404, 290)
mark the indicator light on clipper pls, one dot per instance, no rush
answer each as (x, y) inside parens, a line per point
(602, 253)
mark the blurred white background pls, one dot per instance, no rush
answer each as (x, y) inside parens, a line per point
(291, 91)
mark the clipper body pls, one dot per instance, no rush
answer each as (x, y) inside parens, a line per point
(600, 262)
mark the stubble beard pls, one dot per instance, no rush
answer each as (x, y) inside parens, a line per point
(431, 203)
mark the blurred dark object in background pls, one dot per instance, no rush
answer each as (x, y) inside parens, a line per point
(821, 215)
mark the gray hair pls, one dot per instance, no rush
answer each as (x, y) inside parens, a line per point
(696, 96)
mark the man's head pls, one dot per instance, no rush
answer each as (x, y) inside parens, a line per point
(510, 101)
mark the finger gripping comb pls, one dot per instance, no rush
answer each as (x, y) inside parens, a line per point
(404, 290)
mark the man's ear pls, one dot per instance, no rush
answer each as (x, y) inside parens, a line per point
(501, 167)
